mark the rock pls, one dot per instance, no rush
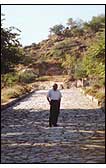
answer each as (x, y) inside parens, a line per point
(80, 137)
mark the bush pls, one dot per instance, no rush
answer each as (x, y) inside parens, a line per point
(14, 92)
(27, 77)
(87, 90)
(27, 60)
(100, 96)
(90, 91)
(9, 79)
(97, 94)
(102, 82)
(96, 86)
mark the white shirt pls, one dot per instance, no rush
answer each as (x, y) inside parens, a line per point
(54, 94)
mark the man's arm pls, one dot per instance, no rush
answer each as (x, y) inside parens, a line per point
(48, 99)
(60, 100)
(48, 96)
(60, 97)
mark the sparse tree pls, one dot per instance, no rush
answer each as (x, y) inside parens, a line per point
(57, 29)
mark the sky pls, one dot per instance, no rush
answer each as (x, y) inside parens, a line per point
(35, 21)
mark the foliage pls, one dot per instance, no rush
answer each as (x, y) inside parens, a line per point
(11, 51)
(69, 63)
(97, 23)
(9, 79)
(71, 23)
(13, 92)
(27, 60)
(96, 92)
(76, 27)
(91, 91)
(57, 29)
(80, 71)
(78, 49)
(94, 61)
(27, 77)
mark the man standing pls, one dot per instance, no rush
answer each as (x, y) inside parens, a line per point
(54, 98)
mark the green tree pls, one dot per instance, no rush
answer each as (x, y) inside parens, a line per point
(71, 23)
(80, 70)
(76, 27)
(11, 50)
(94, 61)
(57, 29)
(97, 23)
(69, 64)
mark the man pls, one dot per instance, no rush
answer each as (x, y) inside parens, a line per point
(54, 98)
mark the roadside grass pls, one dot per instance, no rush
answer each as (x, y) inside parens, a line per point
(15, 90)
(55, 78)
(98, 93)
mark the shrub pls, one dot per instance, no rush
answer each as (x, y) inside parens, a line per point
(90, 91)
(9, 79)
(97, 94)
(102, 82)
(100, 96)
(27, 77)
(87, 90)
(96, 86)
(14, 92)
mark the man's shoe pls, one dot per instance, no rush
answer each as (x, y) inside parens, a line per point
(55, 125)
(50, 125)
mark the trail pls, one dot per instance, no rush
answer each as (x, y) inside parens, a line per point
(79, 138)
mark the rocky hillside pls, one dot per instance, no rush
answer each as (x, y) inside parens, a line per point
(77, 51)
(46, 58)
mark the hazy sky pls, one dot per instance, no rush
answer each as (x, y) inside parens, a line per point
(35, 20)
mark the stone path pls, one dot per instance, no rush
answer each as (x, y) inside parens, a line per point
(79, 138)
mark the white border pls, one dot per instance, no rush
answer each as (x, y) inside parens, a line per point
(52, 2)
(52, 165)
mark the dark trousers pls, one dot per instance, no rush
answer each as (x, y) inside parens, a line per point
(54, 112)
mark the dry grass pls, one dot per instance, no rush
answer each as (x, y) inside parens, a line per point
(9, 93)
(57, 78)
(13, 92)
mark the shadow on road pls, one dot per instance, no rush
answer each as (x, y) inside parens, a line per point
(79, 138)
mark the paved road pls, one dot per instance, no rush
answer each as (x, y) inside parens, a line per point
(79, 138)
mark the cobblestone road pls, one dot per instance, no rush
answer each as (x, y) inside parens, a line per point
(79, 138)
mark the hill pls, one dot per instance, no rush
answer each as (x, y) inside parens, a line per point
(48, 56)
(77, 51)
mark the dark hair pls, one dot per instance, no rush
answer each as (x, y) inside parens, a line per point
(55, 84)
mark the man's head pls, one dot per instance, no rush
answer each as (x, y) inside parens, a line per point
(55, 86)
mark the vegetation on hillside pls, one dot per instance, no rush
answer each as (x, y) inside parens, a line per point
(77, 50)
